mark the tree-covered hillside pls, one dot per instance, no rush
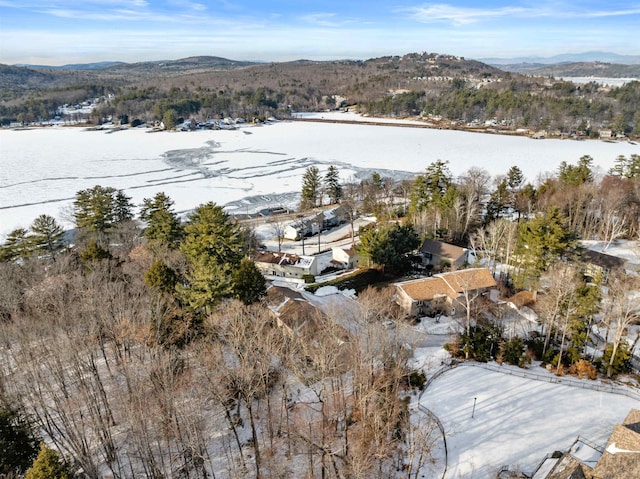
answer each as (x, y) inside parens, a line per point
(429, 84)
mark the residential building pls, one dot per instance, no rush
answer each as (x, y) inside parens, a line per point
(619, 460)
(304, 226)
(438, 254)
(344, 257)
(442, 292)
(285, 265)
(600, 264)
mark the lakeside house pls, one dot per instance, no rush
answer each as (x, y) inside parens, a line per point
(620, 459)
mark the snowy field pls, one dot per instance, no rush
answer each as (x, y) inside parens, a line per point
(517, 421)
(249, 168)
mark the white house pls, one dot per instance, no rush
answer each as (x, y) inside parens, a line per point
(306, 226)
(285, 265)
(344, 257)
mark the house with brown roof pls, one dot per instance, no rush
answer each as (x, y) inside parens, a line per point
(621, 457)
(619, 460)
(294, 314)
(285, 265)
(442, 292)
(297, 317)
(438, 253)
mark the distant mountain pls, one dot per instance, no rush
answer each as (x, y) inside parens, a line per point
(76, 66)
(181, 65)
(606, 57)
(190, 63)
(577, 69)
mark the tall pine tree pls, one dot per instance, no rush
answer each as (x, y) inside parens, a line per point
(17, 245)
(310, 188)
(46, 237)
(214, 247)
(332, 185)
(99, 208)
(163, 225)
(541, 241)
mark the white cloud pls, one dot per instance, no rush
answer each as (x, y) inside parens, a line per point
(324, 19)
(613, 13)
(460, 15)
(447, 13)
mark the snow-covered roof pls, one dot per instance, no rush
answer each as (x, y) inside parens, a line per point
(284, 259)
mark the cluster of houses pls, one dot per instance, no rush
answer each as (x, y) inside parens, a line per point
(445, 291)
(440, 293)
(449, 282)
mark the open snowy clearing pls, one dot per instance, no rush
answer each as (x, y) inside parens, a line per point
(516, 421)
(252, 167)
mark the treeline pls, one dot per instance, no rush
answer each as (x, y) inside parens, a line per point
(562, 105)
(453, 89)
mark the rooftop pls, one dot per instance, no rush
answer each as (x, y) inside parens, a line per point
(283, 259)
(450, 284)
(439, 248)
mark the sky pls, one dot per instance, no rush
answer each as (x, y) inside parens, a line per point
(57, 32)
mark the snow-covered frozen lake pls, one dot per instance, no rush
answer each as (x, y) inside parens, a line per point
(42, 169)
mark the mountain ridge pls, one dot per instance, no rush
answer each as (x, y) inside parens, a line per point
(593, 56)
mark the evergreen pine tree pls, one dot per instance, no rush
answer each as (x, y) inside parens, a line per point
(47, 235)
(498, 202)
(388, 245)
(94, 209)
(17, 245)
(18, 447)
(122, 207)
(332, 185)
(169, 118)
(249, 284)
(48, 465)
(310, 188)
(214, 246)
(163, 225)
(540, 241)
(431, 188)
(161, 277)
(94, 252)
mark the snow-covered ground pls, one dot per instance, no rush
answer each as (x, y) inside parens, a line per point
(607, 81)
(516, 420)
(252, 167)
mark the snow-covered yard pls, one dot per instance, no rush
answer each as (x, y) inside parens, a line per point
(516, 420)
